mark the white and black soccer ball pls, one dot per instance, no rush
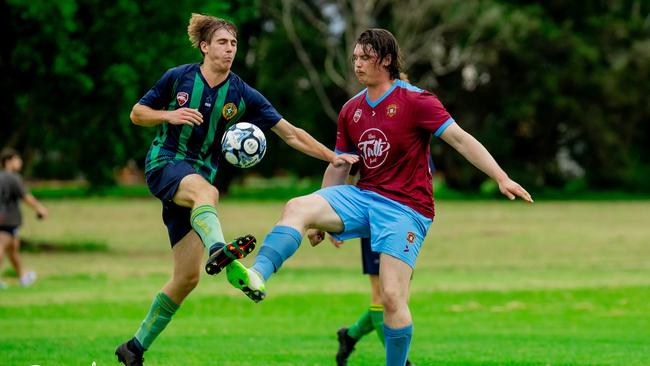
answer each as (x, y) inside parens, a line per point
(243, 144)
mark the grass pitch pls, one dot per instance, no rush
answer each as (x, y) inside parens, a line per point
(497, 283)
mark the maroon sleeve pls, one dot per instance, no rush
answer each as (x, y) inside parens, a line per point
(343, 143)
(430, 114)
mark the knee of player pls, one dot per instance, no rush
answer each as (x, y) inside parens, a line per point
(188, 280)
(296, 208)
(392, 298)
(205, 193)
(212, 194)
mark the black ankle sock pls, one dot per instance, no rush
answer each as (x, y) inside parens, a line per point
(135, 346)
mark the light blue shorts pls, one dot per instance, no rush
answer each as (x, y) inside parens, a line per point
(393, 228)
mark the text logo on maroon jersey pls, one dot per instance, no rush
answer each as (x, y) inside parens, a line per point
(373, 146)
(391, 110)
(181, 98)
(357, 116)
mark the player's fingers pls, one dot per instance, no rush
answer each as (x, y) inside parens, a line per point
(525, 195)
(192, 117)
(196, 113)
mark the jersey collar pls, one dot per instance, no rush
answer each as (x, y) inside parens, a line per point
(386, 94)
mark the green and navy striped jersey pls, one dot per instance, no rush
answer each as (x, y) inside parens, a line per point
(221, 106)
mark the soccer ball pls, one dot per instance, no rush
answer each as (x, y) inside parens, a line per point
(243, 145)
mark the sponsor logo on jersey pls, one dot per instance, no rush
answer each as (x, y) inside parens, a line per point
(357, 116)
(229, 111)
(373, 146)
(182, 98)
(391, 110)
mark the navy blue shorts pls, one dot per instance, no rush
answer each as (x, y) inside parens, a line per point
(163, 183)
(369, 258)
(11, 230)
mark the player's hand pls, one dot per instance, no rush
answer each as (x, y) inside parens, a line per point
(512, 189)
(337, 243)
(184, 116)
(342, 159)
(41, 213)
(315, 236)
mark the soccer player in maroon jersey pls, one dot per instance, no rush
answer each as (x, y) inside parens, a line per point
(389, 124)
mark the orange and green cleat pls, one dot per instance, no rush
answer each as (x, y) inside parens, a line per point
(223, 256)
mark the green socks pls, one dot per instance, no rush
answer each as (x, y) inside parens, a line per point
(377, 316)
(160, 314)
(206, 223)
(362, 327)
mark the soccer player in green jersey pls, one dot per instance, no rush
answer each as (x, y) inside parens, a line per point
(191, 106)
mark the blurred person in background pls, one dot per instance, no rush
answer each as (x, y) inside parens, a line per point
(12, 191)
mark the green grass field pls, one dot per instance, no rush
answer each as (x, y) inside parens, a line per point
(497, 283)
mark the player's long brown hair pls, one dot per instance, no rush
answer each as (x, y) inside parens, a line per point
(202, 27)
(384, 44)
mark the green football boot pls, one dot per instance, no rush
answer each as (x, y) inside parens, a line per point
(247, 280)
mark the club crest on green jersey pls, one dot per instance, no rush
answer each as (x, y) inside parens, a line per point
(181, 98)
(229, 111)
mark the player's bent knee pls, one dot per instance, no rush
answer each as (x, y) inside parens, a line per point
(188, 281)
(296, 207)
(392, 299)
(195, 188)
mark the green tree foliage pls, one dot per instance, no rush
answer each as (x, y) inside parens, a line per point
(556, 90)
(77, 67)
(553, 89)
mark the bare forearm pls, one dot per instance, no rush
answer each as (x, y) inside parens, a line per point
(335, 176)
(305, 143)
(478, 155)
(142, 115)
(32, 202)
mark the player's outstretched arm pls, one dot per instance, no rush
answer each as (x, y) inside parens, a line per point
(146, 116)
(302, 141)
(478, 155)
(36, 205)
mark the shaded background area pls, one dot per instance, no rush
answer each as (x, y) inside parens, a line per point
(557, 91)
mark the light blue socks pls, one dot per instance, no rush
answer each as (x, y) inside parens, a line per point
(278, 246)
(397, 342)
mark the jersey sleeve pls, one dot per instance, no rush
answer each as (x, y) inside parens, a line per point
(159, 96)
(343, 143)
(259, 111)
(18, 188)
(430, 114)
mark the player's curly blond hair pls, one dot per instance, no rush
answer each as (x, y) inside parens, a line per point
(202, 27)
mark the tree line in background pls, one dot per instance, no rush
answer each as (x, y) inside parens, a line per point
(556, 90)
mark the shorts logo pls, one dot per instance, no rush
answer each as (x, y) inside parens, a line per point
(357, 116)
(373, 147)
(410, 237)
(229, 111)
(391, 110)
(181, 98)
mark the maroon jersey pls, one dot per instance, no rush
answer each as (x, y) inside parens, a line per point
(391, 136)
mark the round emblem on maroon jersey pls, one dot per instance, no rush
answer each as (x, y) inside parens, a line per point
(373, 146)
(391, 110)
